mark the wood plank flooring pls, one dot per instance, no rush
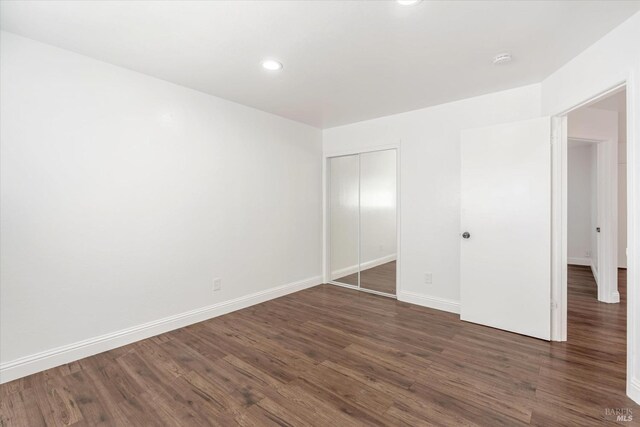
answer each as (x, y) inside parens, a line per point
(329, 356)
(381, 278)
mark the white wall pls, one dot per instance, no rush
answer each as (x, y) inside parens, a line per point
(123, 196)
(580, 203)
(595, 213)
(430, 181)
(115, 181)
(613, 59)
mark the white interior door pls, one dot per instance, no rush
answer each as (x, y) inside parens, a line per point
(506, 209)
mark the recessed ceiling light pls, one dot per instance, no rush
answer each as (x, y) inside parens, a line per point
(502, 58)
(408, 2)
(271, 65)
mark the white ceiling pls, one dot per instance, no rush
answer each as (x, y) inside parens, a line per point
(344, 61)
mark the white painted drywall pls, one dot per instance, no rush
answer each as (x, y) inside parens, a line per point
(580, 203)
(123, 196)
(595, 212)
(622, 212)
(608, 62)
(430, 180)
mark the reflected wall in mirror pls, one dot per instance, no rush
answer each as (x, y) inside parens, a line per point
(378, 221)
(344, 219)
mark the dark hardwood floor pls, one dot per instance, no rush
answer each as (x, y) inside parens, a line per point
(381, 278)
(329, 356)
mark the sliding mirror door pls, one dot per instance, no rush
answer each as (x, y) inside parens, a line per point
(378, 221)
(344, 219)
(363, 221)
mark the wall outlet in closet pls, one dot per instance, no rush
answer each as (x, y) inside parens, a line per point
(217, 284)
(428, 278)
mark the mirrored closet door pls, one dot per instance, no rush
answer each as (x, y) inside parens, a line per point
(362, 194)
(344, 196)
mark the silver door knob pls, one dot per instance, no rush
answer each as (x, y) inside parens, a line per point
(466, 235)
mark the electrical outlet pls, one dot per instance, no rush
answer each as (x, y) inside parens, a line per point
(587, 254)
(428, 278)
(217, 284)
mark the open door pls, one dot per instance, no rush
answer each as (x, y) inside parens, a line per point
(505, 269)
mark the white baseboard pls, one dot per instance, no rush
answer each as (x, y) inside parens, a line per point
(615, 296)
(594, 271)
(633, 391)
(430, 301)
(579, 261)
(612, 298)
(65, 354)
(364, 266)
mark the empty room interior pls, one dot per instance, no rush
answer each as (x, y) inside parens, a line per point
(319, 213)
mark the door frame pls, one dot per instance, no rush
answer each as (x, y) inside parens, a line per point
(559, 225)
(326, 223)
(605, 272)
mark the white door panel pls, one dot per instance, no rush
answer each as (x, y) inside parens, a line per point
(506, 208)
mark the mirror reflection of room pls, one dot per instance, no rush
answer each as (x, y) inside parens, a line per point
(363, 221)
(344, 207)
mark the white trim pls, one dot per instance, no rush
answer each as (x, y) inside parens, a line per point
(615, 297)
(559, 211)
(629, 80)
(343, 285)
(364, 266)
(431, 302)
(384, 294)
(600, 95)
(558, 228)
(633, 389)
(355, 288)
(361, 150)
(594, 271)
(586, 261)
(633, 233)
(360, 218)
(326, 243)
(398, 218)
(68, 353)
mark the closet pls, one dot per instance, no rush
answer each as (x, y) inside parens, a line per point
(362, 221)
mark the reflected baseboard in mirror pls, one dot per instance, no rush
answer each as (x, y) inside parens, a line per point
(381, 278)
